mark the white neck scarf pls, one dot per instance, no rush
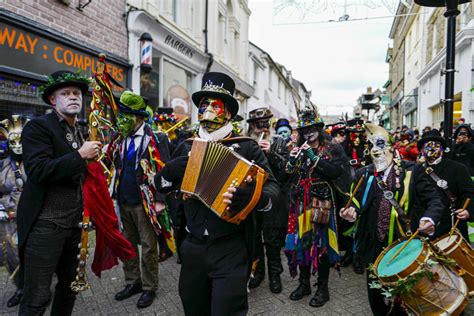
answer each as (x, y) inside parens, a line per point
(219, 134)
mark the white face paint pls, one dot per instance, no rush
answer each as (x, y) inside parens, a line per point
(381, 153)
(311, 135)
(67, 100)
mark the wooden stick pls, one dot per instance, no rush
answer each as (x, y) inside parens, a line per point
(466, 203)
(403, 247)
(355, 191)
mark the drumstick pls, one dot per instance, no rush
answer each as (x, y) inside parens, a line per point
(466, 203)
(403, 247)
(354, 192)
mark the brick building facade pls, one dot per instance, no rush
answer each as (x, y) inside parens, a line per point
(38, 37)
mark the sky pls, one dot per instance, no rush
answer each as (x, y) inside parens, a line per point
(337, 61)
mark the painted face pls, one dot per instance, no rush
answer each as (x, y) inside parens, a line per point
(126, 123)
(212, 114)
(381, 153)
(67, 100)
(433, 152)
(14, 143)
(355, 139)
(463, 136)
(310, 134)
(284, 132)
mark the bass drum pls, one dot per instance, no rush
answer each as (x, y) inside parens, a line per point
(444, 294)
(458, 249)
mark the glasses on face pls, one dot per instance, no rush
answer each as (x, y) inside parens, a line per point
(262, 124)
(341, 133)
(462, 134)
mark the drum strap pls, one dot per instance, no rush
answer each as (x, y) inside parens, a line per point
(389, 196)
(441, 183)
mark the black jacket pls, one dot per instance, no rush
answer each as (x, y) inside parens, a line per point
(49, 161)
(459, 184)
(423, 200)
(198, 216)
(163, 145)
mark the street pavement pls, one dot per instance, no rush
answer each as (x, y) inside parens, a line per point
(348, 295)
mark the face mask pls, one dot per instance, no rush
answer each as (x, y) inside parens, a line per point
(284, 132)
(433, 152)
(355, 139)
(381, 153)
(212, 114)
(311, 135)
(126, 123)
(14, 143)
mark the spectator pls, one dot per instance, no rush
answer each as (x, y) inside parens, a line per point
(463, 149)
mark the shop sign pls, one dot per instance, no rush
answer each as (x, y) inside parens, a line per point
(25, 50)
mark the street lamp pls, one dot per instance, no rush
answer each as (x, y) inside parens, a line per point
(451, 13)
(146, 48)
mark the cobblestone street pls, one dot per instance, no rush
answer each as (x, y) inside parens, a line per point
(348, 296)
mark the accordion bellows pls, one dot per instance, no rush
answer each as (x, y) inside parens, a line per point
(212, 168)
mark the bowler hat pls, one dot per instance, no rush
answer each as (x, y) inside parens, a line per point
(132, 103)
(218, 85)
(282, 122)
(259, 114)
(433, 135)
(61, 79)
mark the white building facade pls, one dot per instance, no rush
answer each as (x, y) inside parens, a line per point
(432, 81)
(189, 39)
(272, 83)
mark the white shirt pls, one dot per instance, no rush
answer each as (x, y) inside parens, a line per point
(137, 141)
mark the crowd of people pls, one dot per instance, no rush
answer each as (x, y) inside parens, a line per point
(334, 195)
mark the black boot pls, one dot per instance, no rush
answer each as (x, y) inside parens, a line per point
(259, 275)
(303, 289)
(274, 268)
(321, 296)
(358, 264)
(346, 259)
(15, 299)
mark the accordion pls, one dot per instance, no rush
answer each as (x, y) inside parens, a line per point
(212, 168)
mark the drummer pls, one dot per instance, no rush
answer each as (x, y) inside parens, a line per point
(452, 181)
(387, 182)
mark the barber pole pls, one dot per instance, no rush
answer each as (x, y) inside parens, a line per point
(146, 47)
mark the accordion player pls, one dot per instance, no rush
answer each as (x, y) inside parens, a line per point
(212, 168)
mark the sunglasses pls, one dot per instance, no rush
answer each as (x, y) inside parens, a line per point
(262, 124)
(463, 134)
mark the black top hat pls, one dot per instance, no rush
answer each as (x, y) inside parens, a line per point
(61, 79)
(218, 85)
(433, 135)
(308, 118)
(282, 122)
(259, 114)
(355, 125)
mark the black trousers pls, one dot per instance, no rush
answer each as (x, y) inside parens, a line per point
(213, 278)
(49, 249)
(269, 241)
(323, 270)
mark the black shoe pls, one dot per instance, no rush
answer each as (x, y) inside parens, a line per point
(257, 279)
(358, 265)
(146, 299)
(346, 259)
(275, 283)
(15, 299)
(128, 291)
(301, 291)
(320, 297)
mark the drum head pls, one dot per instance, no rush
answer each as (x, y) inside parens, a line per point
(447, 242)
(402, 261)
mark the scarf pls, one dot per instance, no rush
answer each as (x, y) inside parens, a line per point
(219, 134)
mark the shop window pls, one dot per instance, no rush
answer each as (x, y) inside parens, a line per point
(20, 97)
(177, 82)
